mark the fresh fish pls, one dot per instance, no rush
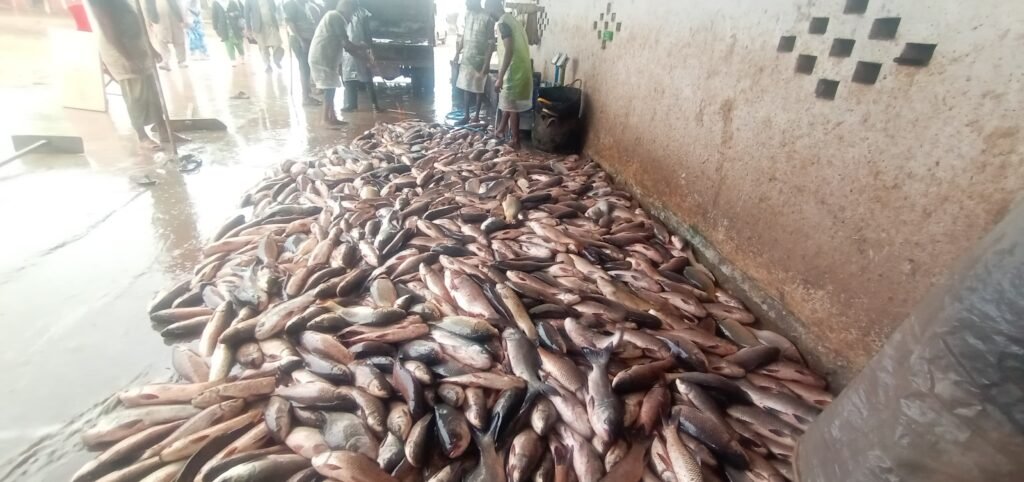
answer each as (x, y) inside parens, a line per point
(410, 390)
(787, 370)
(564, 371)
(516, 310)
(493, 381)
(344, 466)
(468, 327)
(604, 407)
(307, 442)
(416, 446)
(654, 407)
(452, 430)
(476, 407)
(572, 412)
(278, 418)
(201, 421)
(344, 431)
(119, 425)
(128, 448)
(586, 462)
(490, 467)
(641, 377)
(685, 467)
(525, 362)
(631, 467)
(720, 438)
(543, 416)
(468, 295)
(189, 364)
(523, 456)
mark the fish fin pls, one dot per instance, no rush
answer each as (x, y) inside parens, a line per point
(546, 390)
(560, 453)
(615, 341)
(495, 427)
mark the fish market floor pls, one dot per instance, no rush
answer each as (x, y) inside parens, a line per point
(85, 247)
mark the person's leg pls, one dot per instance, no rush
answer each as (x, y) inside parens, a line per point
(513, 125)
(351, 96)
(265, 52)
(500, 131)
(278, 56)
(466, 95)
(178, 40)
(229, 43)
(134, 100)
(479, 105)
(201, 35)
(301, 52)
(165, 55)
(329, 114)
(373, 95)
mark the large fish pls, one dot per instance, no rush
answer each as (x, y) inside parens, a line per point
(604, 407)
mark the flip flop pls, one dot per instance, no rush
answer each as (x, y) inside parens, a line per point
(189, 163)
(142, 180)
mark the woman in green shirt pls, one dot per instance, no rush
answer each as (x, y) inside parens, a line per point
(515, 76)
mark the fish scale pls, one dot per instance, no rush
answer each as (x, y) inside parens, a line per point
(385, 306)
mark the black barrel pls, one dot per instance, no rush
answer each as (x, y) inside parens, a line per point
(558, 125)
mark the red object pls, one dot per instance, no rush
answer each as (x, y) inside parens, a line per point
(81, 18)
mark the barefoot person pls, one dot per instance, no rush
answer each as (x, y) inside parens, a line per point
(325, 53)
(515, 76)
(127, 54)
(474, 58)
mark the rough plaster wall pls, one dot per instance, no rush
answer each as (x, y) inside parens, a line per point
(846, 211)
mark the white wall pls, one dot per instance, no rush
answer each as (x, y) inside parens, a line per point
(845, 210)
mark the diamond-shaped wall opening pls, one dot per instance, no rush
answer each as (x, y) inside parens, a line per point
(856, 6)
(916, 55)
(805, 63)
(866, 72)
(826, 89)
(819, 25)
(841, 47)
(787, 43)
(884, 28)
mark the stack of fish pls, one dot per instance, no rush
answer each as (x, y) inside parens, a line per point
(427, 305)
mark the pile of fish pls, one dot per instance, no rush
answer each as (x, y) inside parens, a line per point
(426, 304)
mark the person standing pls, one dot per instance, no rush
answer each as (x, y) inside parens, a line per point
(325, 52)
(229, 23)
(474, 58)
(261, 23)
(196, 36)
(302, 17)
(355, 71)
(128, 56)
(167, 26)
(515, 76)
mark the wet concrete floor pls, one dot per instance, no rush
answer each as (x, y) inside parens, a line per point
(84, 248)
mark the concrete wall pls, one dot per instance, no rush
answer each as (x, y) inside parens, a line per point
(846, 211)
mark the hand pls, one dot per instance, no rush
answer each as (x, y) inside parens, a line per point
(498, 84)
(157, 57)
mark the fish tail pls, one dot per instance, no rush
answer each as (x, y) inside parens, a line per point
(598, 356)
